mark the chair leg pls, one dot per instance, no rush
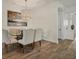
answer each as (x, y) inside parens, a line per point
(33, 45)
(40, 43)
(6, 46)
(23, 49)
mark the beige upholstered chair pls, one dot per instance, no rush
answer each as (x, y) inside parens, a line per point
(6, 39)
(28, 37)
(38, 35)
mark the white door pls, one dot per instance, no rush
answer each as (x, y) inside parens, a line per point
(70, 33)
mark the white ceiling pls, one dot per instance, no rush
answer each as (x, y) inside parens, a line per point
(70, 5)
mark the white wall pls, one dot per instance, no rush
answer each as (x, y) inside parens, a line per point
(46, 18)
(4, 14)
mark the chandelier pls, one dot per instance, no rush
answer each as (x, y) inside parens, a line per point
(26, 12)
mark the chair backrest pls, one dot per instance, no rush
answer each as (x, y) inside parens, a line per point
(28, 36)
(38, 35)
(4, 35)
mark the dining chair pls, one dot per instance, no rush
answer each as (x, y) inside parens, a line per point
(7, 39)
(28, 37)
(38, 36)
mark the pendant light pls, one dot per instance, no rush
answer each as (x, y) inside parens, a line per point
(26, 13)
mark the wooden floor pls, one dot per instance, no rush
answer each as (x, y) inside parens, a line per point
(48, 50)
